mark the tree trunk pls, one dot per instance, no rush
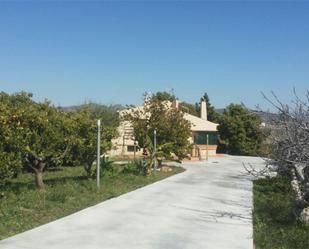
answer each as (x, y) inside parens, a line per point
(304, 215)
(38, 175)
(87, 168)
(301, 208)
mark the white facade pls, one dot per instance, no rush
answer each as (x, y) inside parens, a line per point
(125, 144)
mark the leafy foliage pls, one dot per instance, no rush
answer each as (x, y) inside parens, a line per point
(39, 136)
(106, 165)
(189, 108)
(11, 134)
(136, 167)
(172, 129)
(46, 136)
(83, 149)
(163, 96)
(239, 131)
(35, 133)
(10, 165)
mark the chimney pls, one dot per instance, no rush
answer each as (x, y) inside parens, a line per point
(175, 104)
(203, 110)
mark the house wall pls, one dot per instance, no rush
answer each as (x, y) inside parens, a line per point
(125, 139)
(198, 124)
(201, 150)
(120, 145)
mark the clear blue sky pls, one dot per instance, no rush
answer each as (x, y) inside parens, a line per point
(108, 52)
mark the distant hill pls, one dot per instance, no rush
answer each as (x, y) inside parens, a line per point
(266, 117)
(93, 106)
(220, 110)
(108, 114)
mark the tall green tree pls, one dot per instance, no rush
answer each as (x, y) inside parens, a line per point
(47, 138)
(163, 96)
(39, 134)
(172, 129)
(83, 150)
(189, 108)
(239, 131)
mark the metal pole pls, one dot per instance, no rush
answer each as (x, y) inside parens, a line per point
(155, 148)
(123, 144)
(207, 141)
(134, 149)
(98, 153)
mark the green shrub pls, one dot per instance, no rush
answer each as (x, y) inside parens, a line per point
(106, 168)
(136, 167)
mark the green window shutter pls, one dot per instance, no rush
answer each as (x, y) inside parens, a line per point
(200, 137)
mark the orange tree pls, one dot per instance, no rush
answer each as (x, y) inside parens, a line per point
(173, 131)
(83, 150)
(39, 135)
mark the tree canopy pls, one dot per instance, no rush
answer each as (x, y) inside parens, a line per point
(189, 108)
(239, 131)
(172, 129)
(83, 149)
(44, 133)
(39, 136)
(163, 96)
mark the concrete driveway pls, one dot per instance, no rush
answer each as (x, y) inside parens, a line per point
(206, 207)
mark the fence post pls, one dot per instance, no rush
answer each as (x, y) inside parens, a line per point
(98, 152)
(207, 142)
(155, 148)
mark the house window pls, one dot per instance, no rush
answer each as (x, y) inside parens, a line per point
(200, 137)
(130, 148)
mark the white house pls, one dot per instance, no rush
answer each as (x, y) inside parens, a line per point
(201, 128)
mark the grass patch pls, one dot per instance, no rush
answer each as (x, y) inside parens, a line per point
(22, 207)
(274, 224)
